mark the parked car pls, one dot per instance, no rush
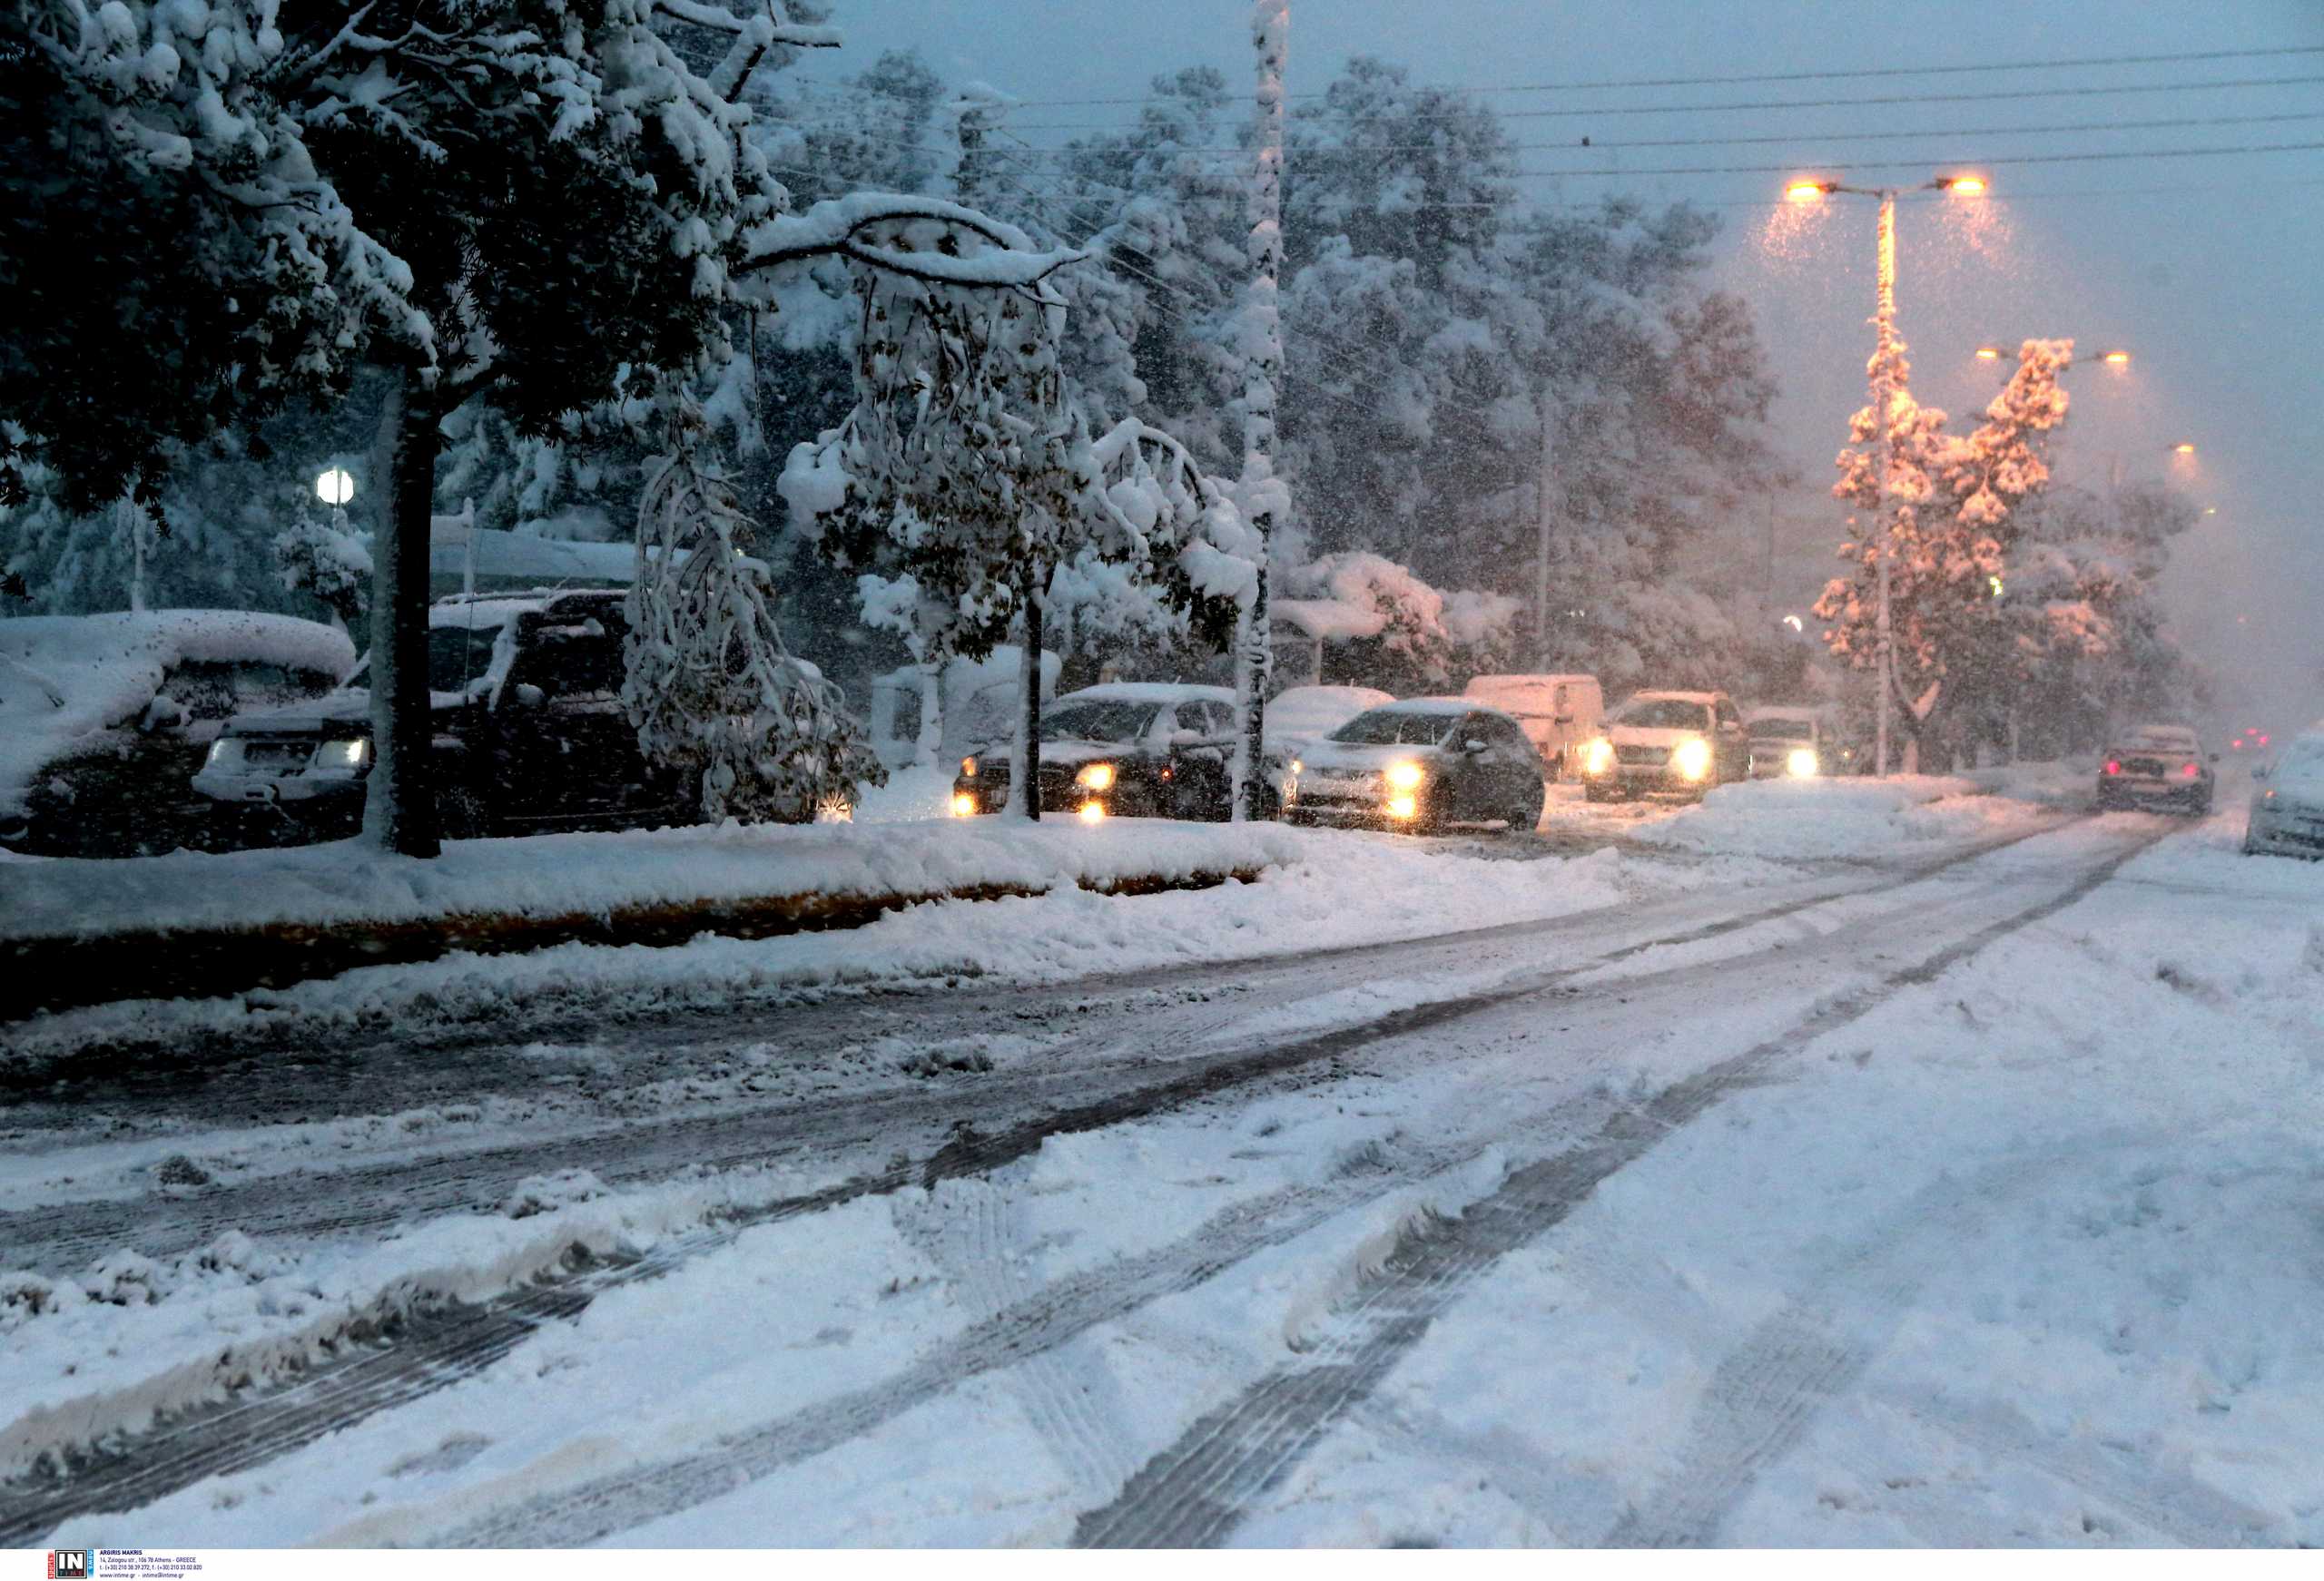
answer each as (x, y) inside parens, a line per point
(1667, 742)
(103, 718)
(1137, 749)
(2288, 801)
(2156, 765)
(1558, 714)
(1422, 764)
(529, 732)
(1790, 743)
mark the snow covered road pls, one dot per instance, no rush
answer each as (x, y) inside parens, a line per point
(1194, 1256)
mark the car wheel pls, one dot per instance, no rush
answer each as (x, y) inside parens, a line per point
(463, 813)
(1526, 815)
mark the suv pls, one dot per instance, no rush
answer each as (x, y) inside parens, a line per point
(529, 730)
(1686, 742)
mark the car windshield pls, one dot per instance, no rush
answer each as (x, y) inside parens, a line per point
(1396, 727)
(1664, 714)
(1782, 730)
(1097, 720)
(458, 656)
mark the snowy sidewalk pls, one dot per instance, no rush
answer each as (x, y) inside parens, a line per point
(82, 932)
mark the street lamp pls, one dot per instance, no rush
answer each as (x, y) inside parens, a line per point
(2184, 447)
(335, 487)
(1809, 190)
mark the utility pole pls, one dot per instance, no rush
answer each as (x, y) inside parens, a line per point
(1767, 586)
(1882, 400)
(1542, 553)
(1263, 495)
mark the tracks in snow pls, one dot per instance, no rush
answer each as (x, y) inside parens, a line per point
(429, 1351)
(1194, 1493)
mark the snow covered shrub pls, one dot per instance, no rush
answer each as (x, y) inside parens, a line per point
(710, 687)
(320, 558)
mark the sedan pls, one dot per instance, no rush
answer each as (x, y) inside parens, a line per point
(2156, 765)
(2287, 803)
(1421, 764)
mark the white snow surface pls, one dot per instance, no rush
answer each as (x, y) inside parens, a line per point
(64, 678)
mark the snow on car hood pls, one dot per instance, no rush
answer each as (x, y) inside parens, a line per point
(1065, 751)
(1345, 755)
(1638, 735)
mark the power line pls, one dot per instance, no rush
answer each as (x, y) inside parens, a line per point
(1756, 105)
(1736, 170)
(2166, 122)
(1726, 79)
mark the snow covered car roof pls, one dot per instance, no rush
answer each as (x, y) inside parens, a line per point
(495, 608)
(65, 677)
(1146, 691)
(1706, 698)
(1438, 706)
(1315, 710)
(2176, 737)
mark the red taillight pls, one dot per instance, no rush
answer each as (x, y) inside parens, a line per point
(2114, 766)
(2263, 741)
(2191, 770)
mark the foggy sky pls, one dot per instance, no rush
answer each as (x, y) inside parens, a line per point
(2210, 270)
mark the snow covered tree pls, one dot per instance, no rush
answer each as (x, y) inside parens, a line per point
(962, 471)
(325, 559)
(1948, 533)
(1263, 496)
(709, 684)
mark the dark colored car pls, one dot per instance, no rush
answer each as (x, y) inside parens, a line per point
(103, 717)
(1424, 763)
(1128, 749)
(2156, 765)
(530, 734)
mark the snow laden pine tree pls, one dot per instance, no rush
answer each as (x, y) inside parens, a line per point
(708, 683)
(964, 474)
(1951, 524)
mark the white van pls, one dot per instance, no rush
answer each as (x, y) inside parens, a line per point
(1559, 713)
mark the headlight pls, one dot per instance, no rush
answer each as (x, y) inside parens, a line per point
(347, 754)
(964, 805)
(224, 751)
(1297, 767)
(1096, 777)
(1405, 776)
(1404, 807)
(1802, 763)
(968, 768)
(1093, 812)
(1598, 756)
(1691, 758)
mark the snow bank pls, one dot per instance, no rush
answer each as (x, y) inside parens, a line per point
(1327, 888)
(65, 677)
(1807, 819)
(561, 875)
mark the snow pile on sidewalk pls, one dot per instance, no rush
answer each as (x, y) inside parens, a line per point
(1799, 820)
(1323, 889)
(559, 875)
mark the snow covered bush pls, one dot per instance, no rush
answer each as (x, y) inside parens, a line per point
(709, 684)
(324, 559)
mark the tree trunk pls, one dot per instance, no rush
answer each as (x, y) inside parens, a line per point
(399, 798)
(1027, 769)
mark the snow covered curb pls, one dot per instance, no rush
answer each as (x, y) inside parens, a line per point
(82, 932)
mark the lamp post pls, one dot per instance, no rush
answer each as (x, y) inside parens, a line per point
(1884, 384)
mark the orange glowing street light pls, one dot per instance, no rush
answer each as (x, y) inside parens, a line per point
(2116, 360)
(1805, 190)
(1989, 354)
(2183, 447)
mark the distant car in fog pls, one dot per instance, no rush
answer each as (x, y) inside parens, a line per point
(1661, 742)
(2155, 765)
(1421, 764)
(1557, 713)
(1790, 743)
(2288, 801)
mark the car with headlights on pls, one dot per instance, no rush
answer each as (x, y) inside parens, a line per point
(2288, 801)
(1790, 743)
(2156, 765)
(525, 697)
(1136, 748)
(1425, 764)
(1667, 743)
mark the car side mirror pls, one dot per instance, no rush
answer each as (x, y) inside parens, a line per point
(530, 696)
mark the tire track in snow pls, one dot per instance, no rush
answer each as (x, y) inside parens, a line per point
(1194, 1493)
(432, 1348)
